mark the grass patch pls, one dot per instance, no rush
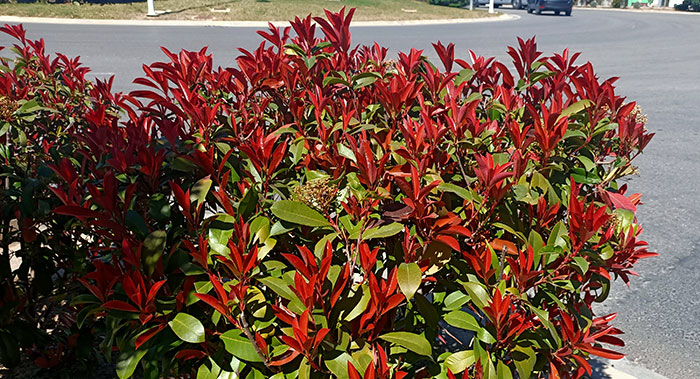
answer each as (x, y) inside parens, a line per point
(243, 10)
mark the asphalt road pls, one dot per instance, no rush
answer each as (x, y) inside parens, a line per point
(657, 57)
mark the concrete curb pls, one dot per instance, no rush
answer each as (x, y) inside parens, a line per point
(239, 24)
(647, 11)
(621, 369)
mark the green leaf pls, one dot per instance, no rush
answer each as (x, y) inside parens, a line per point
(127, 362)
(503, 371)
(203, 372)
(361, 298)
(427, 310)
(582, 263)
(575, 108)
(625, 218)
(86, 312)
(463, 320)
(556, 236)
(279, 287)
(188, 328)
(455, 300)
(30, 106)
(260, 229)
(320, 246)
(463, 76)
(331, 80)
(524, 358)
(582, 176)
(510, 230)
(220, 232)
(484, 336)
(543, 317)
(438, 254)
(309, 61)
(457, 190)
(473, 97)
(200, 190)
(346, 152)
(460, 361)
(298, 213)
(478, 294)
(153, 247)
(411, 341)
(339, 365)
(587, 162)
(607, 252)
(136, 223)
(409, 278)
(246, 207)
(159, 207)
(239, 346)
(364, 79)
(304, 369)
(4, 128)
(382, 231)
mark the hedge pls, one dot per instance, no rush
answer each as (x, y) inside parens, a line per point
(317, 210)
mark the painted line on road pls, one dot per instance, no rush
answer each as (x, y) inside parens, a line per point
(254, 24)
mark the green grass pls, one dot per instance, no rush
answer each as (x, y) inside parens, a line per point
(243, 10)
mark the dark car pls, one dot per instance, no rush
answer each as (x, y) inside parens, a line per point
(518, 4)
(558, 6)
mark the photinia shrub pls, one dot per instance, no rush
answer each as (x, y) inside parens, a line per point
(44, 104)
(322, 211)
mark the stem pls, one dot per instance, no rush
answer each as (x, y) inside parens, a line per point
(461, 167)
(251, 338)
(500, 264)
(5, 263)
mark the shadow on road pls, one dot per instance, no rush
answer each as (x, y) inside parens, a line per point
(598, 370)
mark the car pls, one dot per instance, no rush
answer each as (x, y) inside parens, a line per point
(557, 6)
(496, 3)
(519, 4)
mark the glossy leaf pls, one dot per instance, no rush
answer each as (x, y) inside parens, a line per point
(414, 342)
(409, 277)
(298, 213)
(188, 328)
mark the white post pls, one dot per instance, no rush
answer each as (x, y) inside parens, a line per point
(471, 5)
(151, 9)
(491, 6)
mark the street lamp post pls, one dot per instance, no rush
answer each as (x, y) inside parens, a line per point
(151, 9)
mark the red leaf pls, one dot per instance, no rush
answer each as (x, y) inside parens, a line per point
(621, 201)
(119, 306)
(140, 340)
(214, 302)
(599, 351)
(287, 357)
(190, 354)
(76, 211)
(352, 371)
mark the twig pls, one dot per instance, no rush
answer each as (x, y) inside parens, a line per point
(251, 338)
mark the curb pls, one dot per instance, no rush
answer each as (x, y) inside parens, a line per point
(239, 24)
(621, 369)
(647, 11)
